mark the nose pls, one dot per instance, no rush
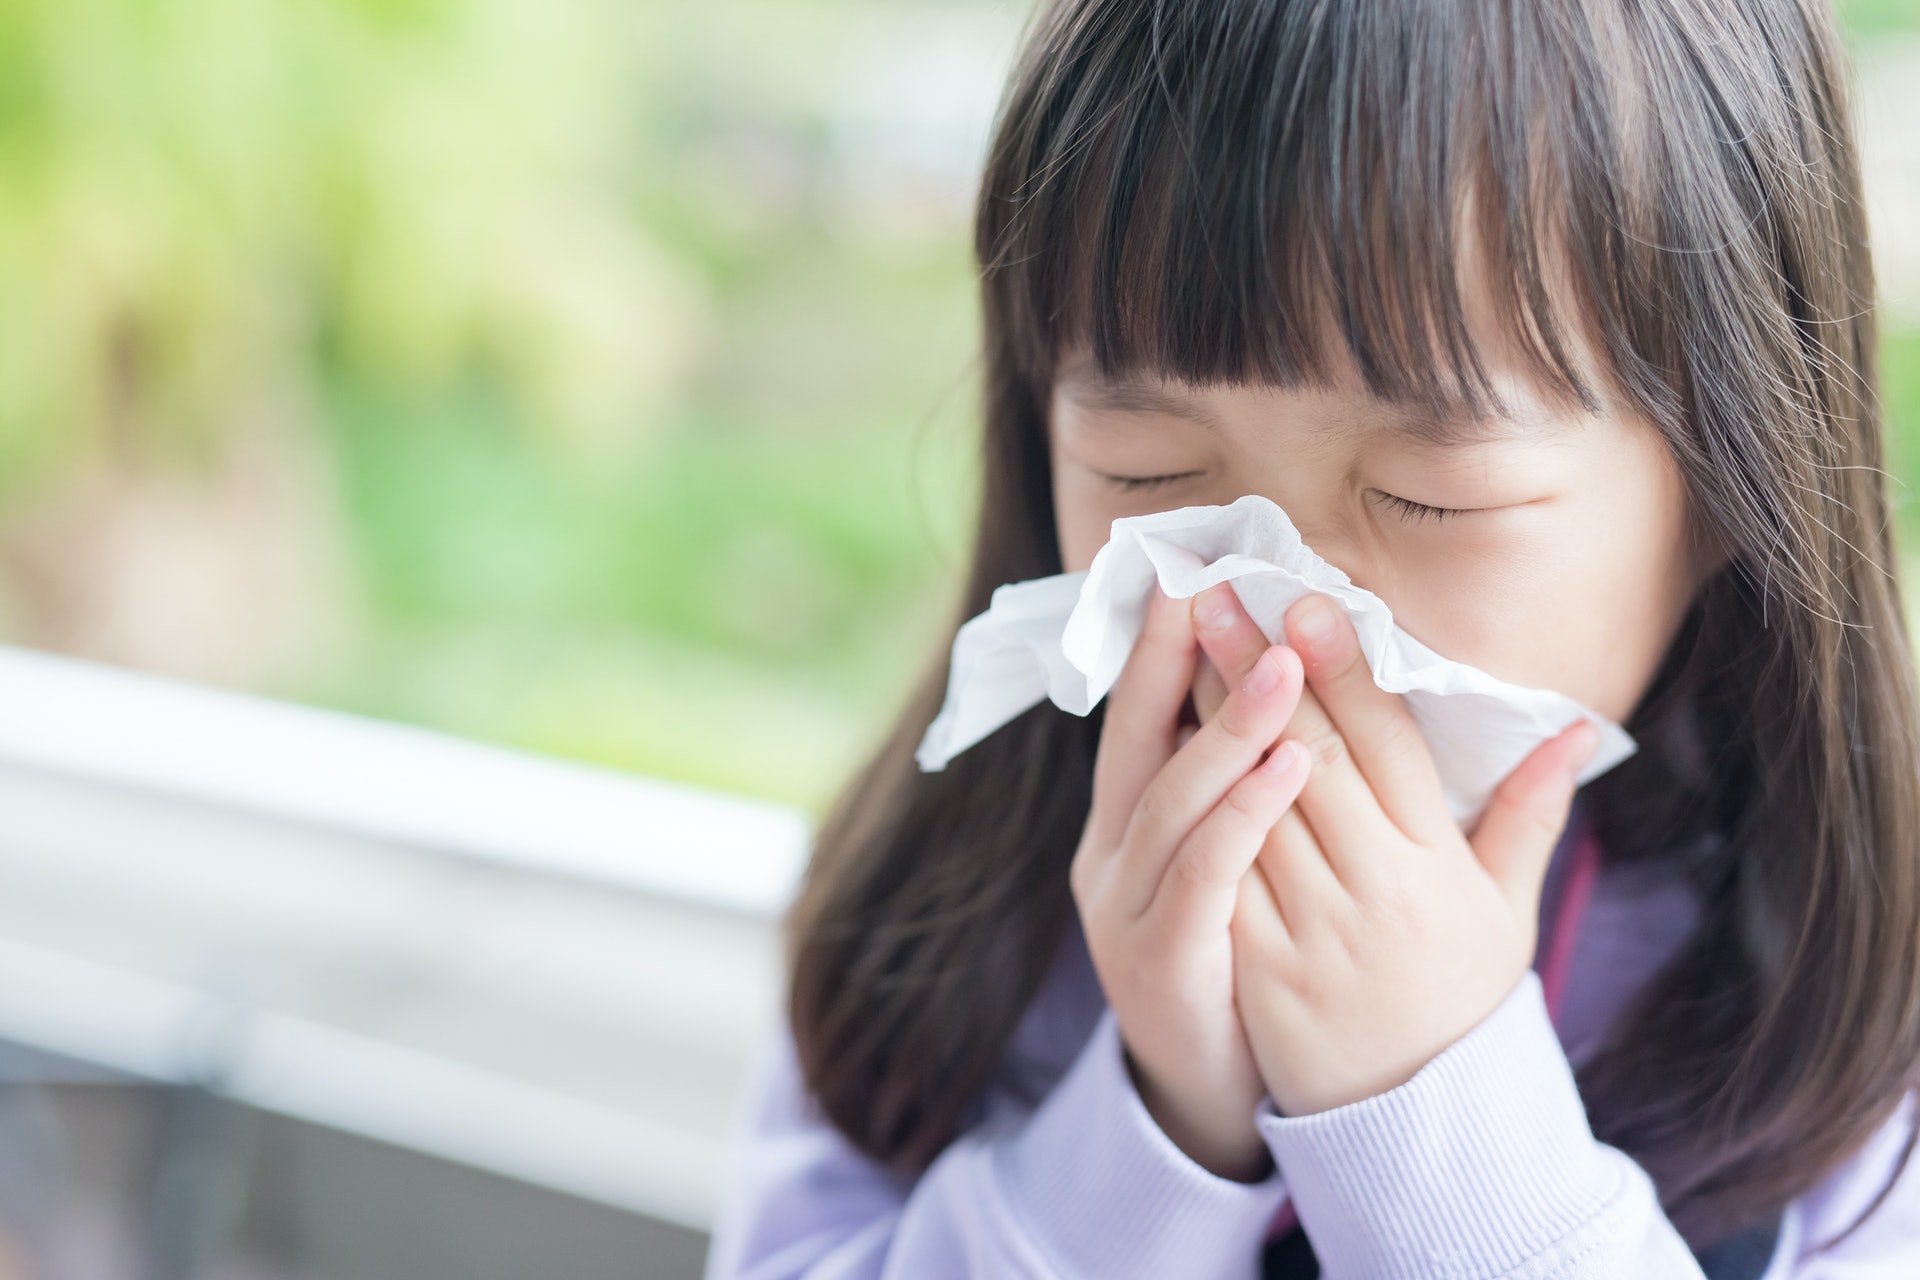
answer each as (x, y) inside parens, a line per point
(1336, 539)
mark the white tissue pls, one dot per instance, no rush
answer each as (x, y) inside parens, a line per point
(1066, 637)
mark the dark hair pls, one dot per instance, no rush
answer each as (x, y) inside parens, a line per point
(1218, 190)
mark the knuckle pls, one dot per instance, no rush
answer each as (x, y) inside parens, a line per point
(1241, 719)
(1399, 734)
(1246, 799)
(1326, 749)
(1350, 663)
(1155, 809)
(1538, 814)
(1190, 869)
(1315, 986)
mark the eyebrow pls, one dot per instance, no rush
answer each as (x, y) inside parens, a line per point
(1132, 396)
(1425, 424)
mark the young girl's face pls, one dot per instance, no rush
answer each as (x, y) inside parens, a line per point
(1548, 547)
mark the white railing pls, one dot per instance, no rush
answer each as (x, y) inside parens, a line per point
(552, 971)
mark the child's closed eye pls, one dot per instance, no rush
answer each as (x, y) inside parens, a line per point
(1133, 484)
(1406, 508)
(1415, 512)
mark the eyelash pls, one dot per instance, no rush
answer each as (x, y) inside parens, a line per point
(1135, 483)
(1418, 511)
(1405, 507)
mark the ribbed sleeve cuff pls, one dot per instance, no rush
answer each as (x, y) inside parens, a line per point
(1106, 1193)
(1481, 1161)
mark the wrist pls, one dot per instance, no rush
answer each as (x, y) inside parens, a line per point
(1227, 1145)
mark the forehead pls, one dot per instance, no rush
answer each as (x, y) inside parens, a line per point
(1524, 410)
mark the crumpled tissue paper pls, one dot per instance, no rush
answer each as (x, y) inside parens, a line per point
(1066, 638)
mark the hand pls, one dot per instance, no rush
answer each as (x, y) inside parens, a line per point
(1172, 829)
(1371, 933)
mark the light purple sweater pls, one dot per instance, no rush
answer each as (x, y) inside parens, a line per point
(1482, 1165)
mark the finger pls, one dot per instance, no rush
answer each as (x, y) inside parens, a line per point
(1229, 637)
(1303, 883)
(1515, 837)
(1338, 803)
(1209, 688)
(1140, 732)
(1190, 784)
(1196, 892)
(1379, 731)
(1258, 926)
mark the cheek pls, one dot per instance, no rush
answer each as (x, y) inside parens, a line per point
(1078, 521)
(1586, 604)
(1084, 511)
(1082, 530)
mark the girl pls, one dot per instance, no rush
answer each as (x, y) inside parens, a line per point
(1549, 321)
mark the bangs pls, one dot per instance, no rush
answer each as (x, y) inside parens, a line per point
(1236, 192)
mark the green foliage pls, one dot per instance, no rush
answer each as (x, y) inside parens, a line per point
(648, 421)
(646, 454)
(1900, 396)
(201, 194)
(1872, 17)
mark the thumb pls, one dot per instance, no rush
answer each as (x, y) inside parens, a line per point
(1516, 835)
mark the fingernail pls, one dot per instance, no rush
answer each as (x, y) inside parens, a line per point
(1265, 676)
(1287, 756)
(1578, 759)
(1213, 610)
(1315, 620)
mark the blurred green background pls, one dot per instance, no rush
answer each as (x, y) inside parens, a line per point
(590, 377)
